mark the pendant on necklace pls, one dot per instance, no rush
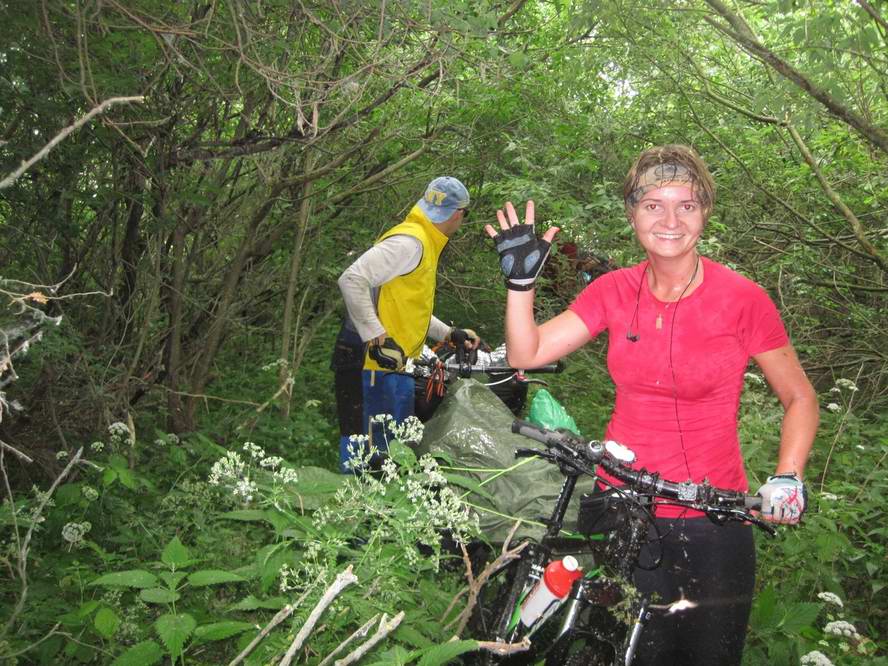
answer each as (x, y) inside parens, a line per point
(659, 322)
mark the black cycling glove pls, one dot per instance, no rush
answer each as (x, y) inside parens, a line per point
(388, 355)
(522, 256)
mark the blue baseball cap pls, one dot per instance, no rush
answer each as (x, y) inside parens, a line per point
(443, 197)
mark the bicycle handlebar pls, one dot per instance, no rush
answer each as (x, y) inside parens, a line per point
(584, 456)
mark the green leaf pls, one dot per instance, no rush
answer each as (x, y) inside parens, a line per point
(213, 577)
(218, 631)
(174, 630)
(798, 616)
(172, 578)
(469, 484)
(106, 622)
(444, 654)
(409, 634)
(252, 603)
(401, 453)
(132, 578)
(248, 515)
(175, 555)
(158, 595)
(764, 611)
(145, 653)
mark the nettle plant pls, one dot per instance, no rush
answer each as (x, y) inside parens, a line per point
(176, 630)
(387, 527)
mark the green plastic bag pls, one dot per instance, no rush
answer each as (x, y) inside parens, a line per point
(547, 412)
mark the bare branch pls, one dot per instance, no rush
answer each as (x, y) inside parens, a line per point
(358, 633)
(384, 629)
(279, 617)
(58, 138)
(342, 581)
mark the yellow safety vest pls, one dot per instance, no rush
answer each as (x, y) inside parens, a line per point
(405, 304)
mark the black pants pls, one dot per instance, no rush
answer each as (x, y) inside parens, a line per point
(710, 565)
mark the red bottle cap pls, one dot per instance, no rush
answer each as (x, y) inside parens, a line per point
(561, 574)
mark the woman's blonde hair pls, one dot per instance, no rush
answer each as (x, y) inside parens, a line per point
(683, 160)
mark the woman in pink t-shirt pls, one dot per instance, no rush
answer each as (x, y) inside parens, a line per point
(681, 330)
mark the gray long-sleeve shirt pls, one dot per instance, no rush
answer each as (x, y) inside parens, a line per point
(394, 256)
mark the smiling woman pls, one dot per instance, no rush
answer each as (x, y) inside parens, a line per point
(682, 329)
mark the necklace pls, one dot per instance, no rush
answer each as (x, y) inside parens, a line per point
(659, 322)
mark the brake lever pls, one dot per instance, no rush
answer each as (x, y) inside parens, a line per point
(721, 517)
(529, 453)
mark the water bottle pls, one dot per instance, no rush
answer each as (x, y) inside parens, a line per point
(554, 586)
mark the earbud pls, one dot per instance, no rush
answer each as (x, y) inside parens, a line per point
(632, 338)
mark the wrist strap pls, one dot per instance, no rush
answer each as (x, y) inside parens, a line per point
(519, 287)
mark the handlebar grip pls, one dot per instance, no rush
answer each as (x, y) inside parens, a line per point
(530, 430)
(549, 367)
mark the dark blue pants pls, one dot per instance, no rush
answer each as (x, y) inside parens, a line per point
(382, 393)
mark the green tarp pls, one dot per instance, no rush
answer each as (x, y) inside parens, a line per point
(472, 429)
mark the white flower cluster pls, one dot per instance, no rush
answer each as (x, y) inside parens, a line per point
(831, 598)
(120, 433)
(753, 378)
(841, 628)
(846, 384)
(834, 407)
(831, 497)
(73, 533)
(233, 471)
(61, 455)
(255, 451)
(228, 468)
(97, 446)
(170, 439)
(90, 493)
(277, 363)
(815, 658)
(409, 431)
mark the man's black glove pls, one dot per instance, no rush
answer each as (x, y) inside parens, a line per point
(388, 355)
(522, 256)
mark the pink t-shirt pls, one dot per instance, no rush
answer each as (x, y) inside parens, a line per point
(724, 321)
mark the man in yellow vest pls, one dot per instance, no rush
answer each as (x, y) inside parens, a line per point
(389, 293)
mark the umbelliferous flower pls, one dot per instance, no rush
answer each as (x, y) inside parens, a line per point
(90, 493)
(846, 384)
(834, 407)
(815, 658)
(841, 628)
(831, 598)
(73, 533)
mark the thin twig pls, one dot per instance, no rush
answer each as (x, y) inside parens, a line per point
(359, 633)
(58, 138)
(477, 583)
(279, 617)
(23, 546)
(342, 581)
(384, 629)
(504, 649)
(15, 451)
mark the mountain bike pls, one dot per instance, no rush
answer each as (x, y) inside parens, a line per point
(600, 621)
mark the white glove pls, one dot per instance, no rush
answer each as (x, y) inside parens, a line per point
(784, 498)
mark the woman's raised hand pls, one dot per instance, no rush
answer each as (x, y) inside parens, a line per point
(522, 253)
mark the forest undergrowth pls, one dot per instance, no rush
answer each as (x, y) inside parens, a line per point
(152, 548)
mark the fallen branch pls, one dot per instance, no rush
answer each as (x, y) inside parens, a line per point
(61, 136)
(281, 615)
(476, 584)
(383, 630)
(504, 649)
(342, 581)
(359, 633)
